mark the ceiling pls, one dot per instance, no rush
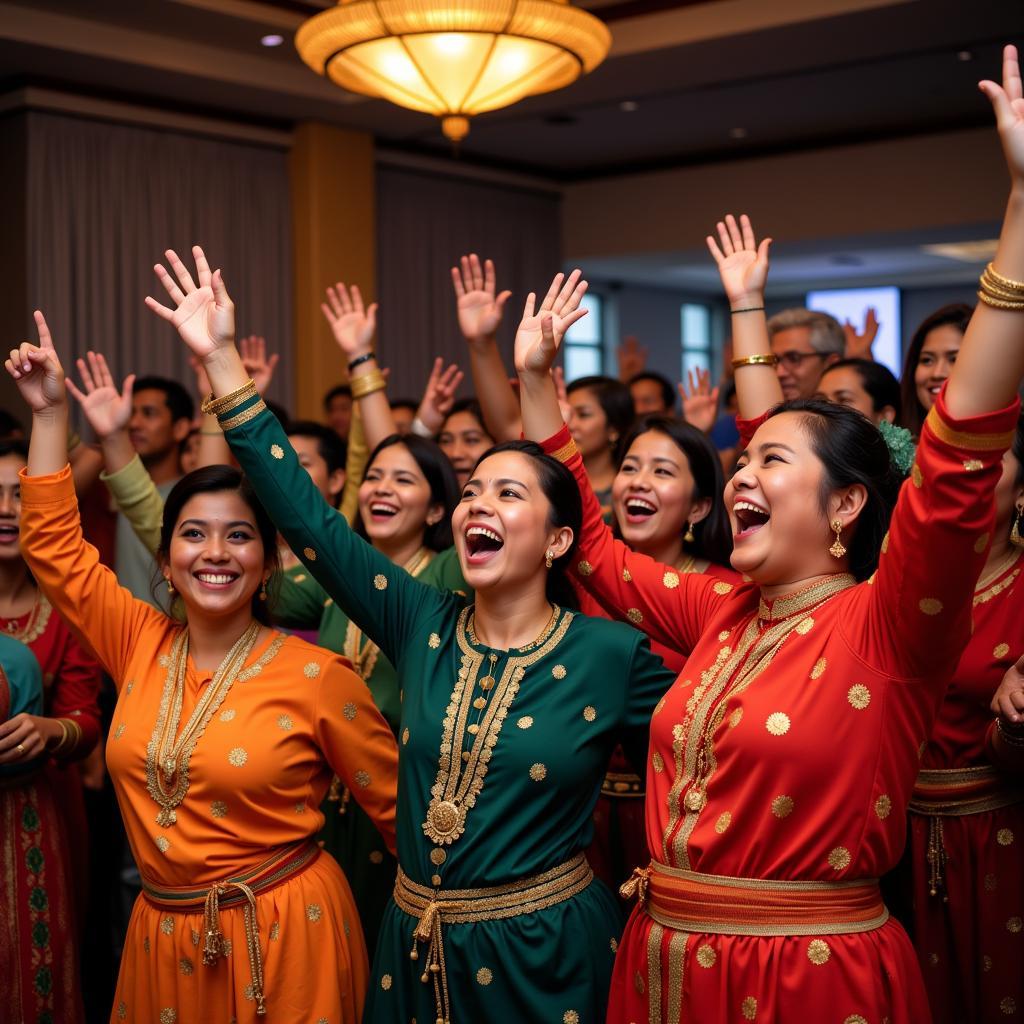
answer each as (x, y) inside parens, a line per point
(685, 82)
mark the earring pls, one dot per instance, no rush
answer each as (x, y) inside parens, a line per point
(170, 586)
(549, 558)
(1015, 535)
(263, 591)
(838, 549)
(688, 537)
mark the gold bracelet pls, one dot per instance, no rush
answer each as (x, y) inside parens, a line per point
(367, 384)
(762, 359)
(1003, 282)
(995, 290)
(64, 738)
(1014, 306)
(216, 406)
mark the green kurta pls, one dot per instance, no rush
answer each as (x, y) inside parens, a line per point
(348, 833)
(545, 751)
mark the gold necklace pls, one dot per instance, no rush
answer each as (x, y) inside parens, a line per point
(36, 623)
(461, 773)
(167, 758)
(1004, 563)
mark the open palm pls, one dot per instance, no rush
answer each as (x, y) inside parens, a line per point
(352, 323)
(742, 263)
(479, 310)
(107, 409)
(541, 330)
(1008, 103)
(37, 370)
(204, 314)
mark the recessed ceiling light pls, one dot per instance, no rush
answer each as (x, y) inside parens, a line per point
(628, 106)
(965, 55)
(979, 251)
(272, 40)
(737, 133)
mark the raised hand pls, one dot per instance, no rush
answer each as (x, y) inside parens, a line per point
(439, 396)
(107, 409)
(858, 343)
(204, 315)
(1008, 103)
(742, 263)
(700, 400)
(37, 370)
(632, 358)
(541, 330)
(479, 311)
(253, 351)
(352, 324)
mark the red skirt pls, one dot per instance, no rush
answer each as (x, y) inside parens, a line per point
(38, 950)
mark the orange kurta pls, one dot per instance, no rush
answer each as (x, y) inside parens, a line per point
(787, 750)
(295, 716)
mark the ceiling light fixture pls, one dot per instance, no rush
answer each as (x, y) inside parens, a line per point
(453, 58)
(964, 55)
(272, 40)
(980, 251)
(628, 106)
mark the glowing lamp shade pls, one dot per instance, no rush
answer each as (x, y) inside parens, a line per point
(453, 58)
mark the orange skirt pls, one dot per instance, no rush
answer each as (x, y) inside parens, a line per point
(314, 959)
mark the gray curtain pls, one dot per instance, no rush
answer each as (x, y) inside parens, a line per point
(425, 223)
(105, 201)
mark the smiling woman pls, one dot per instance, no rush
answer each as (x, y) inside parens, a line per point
(511, 706)
(224, 740)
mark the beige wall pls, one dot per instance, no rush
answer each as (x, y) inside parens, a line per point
(924, 182)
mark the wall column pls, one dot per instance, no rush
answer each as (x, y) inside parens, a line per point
(334, 229)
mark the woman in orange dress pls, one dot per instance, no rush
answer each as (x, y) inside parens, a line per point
(225, 737)
(784, 758)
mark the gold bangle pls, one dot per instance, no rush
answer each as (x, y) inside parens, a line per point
(367, 384)
(64, 738)
(762, 359)
(216, 406)
(1003, 282)
(998, 291)
(1014, 306)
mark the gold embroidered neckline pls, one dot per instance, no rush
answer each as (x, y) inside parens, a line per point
(36, 623)
(800, 600)
(461, 773)
(168, 754)
(1006, 563)
(536, 642)
(364, 656)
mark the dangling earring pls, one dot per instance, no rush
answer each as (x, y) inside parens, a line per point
(263, 591)
(549, 558)
(1015, 536)
(838, 549)
(688, 537)
(170, 586)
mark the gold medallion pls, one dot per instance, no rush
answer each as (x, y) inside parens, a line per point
(442, 820)
(694, 800)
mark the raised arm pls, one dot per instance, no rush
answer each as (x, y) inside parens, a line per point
(480, 312)
(353, 325)
(653, 597)
(67, 569)
(743, 266)
(438, 398)
(381, 598)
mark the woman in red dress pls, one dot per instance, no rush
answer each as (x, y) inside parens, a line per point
(782, 761)
(66, 731)
(967, 815)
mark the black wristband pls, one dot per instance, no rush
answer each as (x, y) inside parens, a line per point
(359, 360)
(749, 309)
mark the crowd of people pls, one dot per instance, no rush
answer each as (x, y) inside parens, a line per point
(562, 702)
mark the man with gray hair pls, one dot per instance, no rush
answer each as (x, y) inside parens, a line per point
(805, 343)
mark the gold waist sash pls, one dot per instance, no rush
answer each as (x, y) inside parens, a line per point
(689, 901)
(955, 792)
(435, 908)
(239, 890)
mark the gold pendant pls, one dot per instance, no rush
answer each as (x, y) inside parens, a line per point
(166, 818)
(169, 769)
(444, 821)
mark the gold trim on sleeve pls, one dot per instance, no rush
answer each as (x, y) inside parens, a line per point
(218, 406)
(243, 417)
(964, 439)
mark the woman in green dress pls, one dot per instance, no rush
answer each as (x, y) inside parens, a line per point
(511, 707)
(405, 507)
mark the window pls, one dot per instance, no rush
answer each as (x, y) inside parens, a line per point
(695, 337)
(853, 303)
(584, 341)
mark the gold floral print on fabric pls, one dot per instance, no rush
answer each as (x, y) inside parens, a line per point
(706, 956)
(818, 952)
(819, 668)
(883, 806)
(930, 605)
(461, 772)
(839, 858)
(749, 1008)
(782, 806)
(1000, 650)
(277, 451)
(1004, 837)
(733, 671)
(859, 696)
(538, 772)
(484, 976)
(570, 1017)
